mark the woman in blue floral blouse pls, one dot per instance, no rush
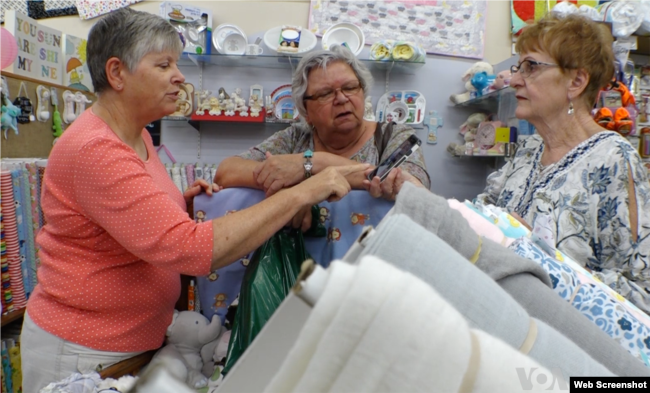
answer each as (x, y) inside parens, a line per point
(586, 182)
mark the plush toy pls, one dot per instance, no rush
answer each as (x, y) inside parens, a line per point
(468, 131)
(122, 385)
(479, 66)
(502, 80)
(9, 117)
(191, 342)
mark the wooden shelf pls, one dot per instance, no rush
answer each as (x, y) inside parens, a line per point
(12, 316)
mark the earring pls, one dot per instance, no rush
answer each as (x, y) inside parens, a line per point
(570, 111)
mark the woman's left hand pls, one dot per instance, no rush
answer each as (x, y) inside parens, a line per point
(389, 188)
(278, 172)
(197, 187)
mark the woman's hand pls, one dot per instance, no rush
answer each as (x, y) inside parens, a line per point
(197, 187)
(302, 220)
(278, 172)
(389, 188)
(330, 184)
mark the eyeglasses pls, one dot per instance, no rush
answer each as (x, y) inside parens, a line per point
(328, 96)
(527, 67)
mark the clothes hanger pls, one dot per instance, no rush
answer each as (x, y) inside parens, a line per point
(169, 154)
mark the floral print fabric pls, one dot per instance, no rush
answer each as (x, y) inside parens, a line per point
(614, 315)
(298, 139)
(586, 196)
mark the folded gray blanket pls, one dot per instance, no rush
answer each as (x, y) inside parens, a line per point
(523, 279)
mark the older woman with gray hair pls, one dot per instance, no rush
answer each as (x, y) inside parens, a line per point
(118, 234)
(328, 89)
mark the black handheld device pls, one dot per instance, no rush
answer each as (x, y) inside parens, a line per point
(401, 154)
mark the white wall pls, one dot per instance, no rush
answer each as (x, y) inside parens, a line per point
(256, 16)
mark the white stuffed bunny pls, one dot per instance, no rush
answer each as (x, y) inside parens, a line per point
(191, 341)
(479, 66)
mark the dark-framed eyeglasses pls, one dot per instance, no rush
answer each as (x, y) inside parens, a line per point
(328, 96)
(527, 67)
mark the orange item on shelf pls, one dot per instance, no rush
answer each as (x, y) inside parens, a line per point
(622, 121)
(605, 118)
(190, 296)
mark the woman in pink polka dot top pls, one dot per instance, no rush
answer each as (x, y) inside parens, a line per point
(118, 235)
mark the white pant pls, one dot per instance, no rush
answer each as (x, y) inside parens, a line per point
(47, 358)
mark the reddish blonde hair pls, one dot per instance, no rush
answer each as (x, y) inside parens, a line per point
(574, 42)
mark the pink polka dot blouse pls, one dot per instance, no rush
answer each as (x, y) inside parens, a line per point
(117, 237)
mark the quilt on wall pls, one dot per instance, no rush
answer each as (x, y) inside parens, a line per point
(18, 5)
(40, 9)
(451, 28)
(524, 12)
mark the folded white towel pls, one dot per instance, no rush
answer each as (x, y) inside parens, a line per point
(378, 329)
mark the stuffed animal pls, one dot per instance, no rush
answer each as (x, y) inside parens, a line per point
(191, 342)
(122, 385)
(468, 131)
(502, 80)
(479, 66)
(9, 117)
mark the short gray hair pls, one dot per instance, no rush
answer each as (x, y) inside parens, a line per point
(320, 59)
(128, 35)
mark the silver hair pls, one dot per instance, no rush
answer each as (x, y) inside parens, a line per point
(320, 59)
(128, 35)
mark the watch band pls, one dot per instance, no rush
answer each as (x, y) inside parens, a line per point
(308, 165)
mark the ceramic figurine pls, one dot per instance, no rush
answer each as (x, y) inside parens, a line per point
(202, 101)
(368, 114)
(240, 103)
(215, 107)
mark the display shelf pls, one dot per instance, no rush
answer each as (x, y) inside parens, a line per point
(230, 119)
(643, 46)
(12, 316)
(196, 120)
(287, 62)
(487, 101)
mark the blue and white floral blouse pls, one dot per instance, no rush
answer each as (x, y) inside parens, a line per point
(585, 194)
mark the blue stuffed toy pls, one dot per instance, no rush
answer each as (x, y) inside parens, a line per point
(9, 117)
(481, 81)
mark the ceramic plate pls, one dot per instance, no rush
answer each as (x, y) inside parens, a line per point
(285, 109)
(413, 100)
(280, 91)
(221, 32)
(346, 33)
(235, 44)
(307, 40)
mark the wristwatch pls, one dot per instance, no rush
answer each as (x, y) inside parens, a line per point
(308, 164)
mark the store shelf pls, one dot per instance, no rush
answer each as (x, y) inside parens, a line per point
(12, 316)
(288, 62)
(487, 101)
(643, 46)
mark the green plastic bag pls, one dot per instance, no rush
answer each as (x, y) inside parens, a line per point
(269, 277)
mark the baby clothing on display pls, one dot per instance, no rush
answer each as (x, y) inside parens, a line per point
(344, 221)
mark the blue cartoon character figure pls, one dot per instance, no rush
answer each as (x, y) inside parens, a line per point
(9, 118)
